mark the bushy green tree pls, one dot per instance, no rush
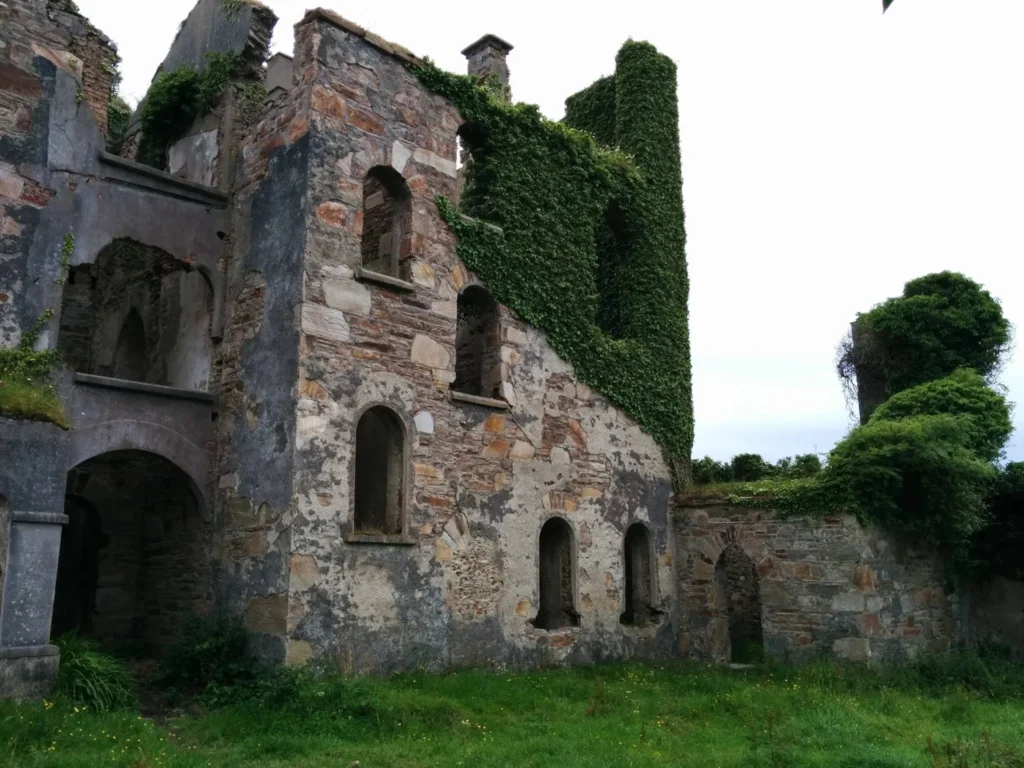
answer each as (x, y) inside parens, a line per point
(998, 549)
(942, 322)
(962, 394)
(917, 476)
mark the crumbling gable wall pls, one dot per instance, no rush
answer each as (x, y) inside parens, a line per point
(460, 583)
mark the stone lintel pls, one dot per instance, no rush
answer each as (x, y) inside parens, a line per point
(397, 540)
(486, 402)
(39, 518)
(124, 171)
(143, 388)
(488, 41)
(376, 277)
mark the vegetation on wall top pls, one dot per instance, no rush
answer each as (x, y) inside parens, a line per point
(27, 388)
(177, 98)
(592, 245)
(924, 464)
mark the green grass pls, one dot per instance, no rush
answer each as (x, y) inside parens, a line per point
(612, 716)
(32, 402)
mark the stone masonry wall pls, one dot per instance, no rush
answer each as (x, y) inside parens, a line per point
(828, 587)
(256, 367)
(460, 584)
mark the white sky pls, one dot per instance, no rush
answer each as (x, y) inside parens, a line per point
(830, 154)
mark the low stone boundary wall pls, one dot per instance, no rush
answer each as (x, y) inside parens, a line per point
(828, 587)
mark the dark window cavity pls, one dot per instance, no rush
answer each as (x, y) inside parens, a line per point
(477, 345)
(640, 571)
(557, 577)
(380, 469)
(738, 602)
(387, 225)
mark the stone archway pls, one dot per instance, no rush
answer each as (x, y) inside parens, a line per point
(133, 560)
(738, 635)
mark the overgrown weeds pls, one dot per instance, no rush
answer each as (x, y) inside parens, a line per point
(92, 677)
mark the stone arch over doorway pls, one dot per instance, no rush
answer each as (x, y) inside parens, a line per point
(738, 635)
(134, 435)
(704, 589)
(133, 558)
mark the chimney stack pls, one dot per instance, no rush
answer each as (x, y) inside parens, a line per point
(487, 58)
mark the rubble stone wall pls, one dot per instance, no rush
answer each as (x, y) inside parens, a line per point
(827, 587)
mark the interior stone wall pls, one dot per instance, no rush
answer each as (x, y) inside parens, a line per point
(175, 306)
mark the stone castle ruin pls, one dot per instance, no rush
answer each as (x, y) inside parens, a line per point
(290, 401)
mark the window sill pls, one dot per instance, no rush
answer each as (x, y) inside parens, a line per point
(486, 402)
(387, 539)
(386, 280)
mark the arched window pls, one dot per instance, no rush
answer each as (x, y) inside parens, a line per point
(130, 357)
(557, 577)
(380, 470)
(640, 596)
(477, 345)
(387, 213)
(138, 314)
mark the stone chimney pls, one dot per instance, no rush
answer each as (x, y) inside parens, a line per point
(487, 58)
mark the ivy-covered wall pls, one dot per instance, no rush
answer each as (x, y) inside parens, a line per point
(592, 240)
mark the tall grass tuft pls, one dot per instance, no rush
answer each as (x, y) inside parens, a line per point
(92, 677)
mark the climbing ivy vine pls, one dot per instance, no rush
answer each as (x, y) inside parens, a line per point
(591, 245)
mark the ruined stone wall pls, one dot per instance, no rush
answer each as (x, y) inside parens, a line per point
(256, 367)
(39, 38)
(827, 587)
(460, 584)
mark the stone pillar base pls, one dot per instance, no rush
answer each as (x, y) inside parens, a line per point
(28, 673)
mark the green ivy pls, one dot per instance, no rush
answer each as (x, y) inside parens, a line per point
(177, 98)
(964, 395)
(942, 322)
(591, 245)
(67, 248)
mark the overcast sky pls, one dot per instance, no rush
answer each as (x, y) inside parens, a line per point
(830, 154)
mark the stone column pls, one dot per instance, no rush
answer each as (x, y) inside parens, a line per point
(33, 479)
(28, 663)
(488, 58)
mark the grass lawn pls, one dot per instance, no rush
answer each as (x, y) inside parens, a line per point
(601, 717)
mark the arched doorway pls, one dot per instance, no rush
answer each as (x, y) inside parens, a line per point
(133, 560)
(738, 637)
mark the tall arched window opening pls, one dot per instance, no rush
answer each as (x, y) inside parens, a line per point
(557, 577)
(477, 345)
(640, 595)
(380, 469)
(131, 359)
(387, 225)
